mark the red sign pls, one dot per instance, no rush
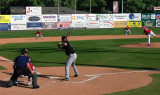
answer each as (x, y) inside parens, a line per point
(156, 8)
(115, 7)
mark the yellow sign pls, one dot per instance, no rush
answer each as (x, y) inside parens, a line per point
(5, 19)
(134, 23)
(119, 24)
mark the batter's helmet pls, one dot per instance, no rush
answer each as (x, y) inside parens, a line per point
(64, 38)
(23, 51)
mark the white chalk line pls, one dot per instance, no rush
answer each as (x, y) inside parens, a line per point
(6, 60)
(99, 75)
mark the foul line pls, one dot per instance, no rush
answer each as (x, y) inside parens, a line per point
(6, 60)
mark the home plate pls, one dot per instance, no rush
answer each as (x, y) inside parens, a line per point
(53, 77)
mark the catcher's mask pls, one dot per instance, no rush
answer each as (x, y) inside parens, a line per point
(23, 51)
(64, 38)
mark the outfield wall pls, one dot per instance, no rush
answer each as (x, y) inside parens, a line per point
(34, 20)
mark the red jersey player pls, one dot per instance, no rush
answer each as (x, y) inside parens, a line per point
(148, 33)
(128, 30)
(39, 34)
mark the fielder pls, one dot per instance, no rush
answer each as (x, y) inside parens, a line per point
(39, 34)
(149, 33)
(72, 56)
(128, 30)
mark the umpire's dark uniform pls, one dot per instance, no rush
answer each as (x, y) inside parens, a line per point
(20, 68)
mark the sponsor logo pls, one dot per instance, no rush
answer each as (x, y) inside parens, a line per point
(49, 16)
(34, 18)
(132, 16)
(73, 17)
(148, 23)
(29, 10)
(1, 17)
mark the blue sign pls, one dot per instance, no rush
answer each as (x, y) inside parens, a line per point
(157, 15)
(131, 16)
(5, 26)
(34, 25)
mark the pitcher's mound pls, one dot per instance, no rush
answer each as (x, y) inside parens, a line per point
(143, 45)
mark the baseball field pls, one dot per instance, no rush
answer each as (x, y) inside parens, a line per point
(109, 62)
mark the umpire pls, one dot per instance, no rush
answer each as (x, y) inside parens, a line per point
(72, 56)
(21, 62)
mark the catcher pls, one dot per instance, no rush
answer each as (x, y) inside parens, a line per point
(72, 56)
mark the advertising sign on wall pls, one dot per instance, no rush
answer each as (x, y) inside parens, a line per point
(49, 18)
(120, 17)
(49, 25)
(158, 23)
(119, 24)
(157, 15)
(18, 10)
(134, 23)
(106, 20)
(5, 19)
(18, 22)
(33, 10)
(134, 17)
(92, 20)
(78, 20)
(148, 19)
(65, 18)
(5, 26)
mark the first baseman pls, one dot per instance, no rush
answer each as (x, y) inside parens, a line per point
(149, 33)
(72, 56)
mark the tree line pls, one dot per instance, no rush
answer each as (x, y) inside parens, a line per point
(98, 6)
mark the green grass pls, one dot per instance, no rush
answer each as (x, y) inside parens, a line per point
(2, 68)
(76, 32)
(102, 53)
(151, 89)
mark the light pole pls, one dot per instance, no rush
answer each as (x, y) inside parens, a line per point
(75, 6)
(90, 7)
(122, 6)
(58, 7)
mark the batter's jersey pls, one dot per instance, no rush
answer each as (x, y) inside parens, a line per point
(68, 49)
(39, 32)
(21, 61)
(147, 31)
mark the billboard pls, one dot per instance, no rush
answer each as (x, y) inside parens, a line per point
(106, 20)
(33, 10)
(134, 17)
(119, 24)
(156, 8)
(18, 10)
(34, 18)
(120, 17)
(49, 25)
(65, 18)
(134, 23)
(49, 18)
(148, 19)
(34, 25)
(157, 15)
(5, 19)
(5, 26)
(18, 22)
(78, 20)
(158, 23)
(92, 20)
(115, 7)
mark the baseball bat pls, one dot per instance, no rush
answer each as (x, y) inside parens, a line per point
(68, 34)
